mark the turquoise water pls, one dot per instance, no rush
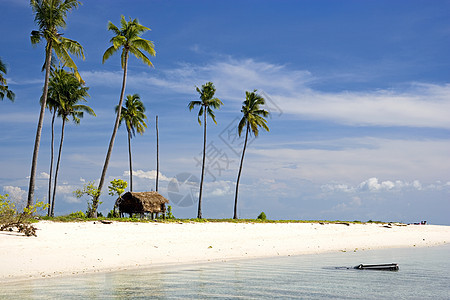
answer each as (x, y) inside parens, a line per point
(424, 274)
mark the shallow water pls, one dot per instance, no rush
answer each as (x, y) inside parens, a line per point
(424, 274)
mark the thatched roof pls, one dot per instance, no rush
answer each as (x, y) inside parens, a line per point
(140, 202)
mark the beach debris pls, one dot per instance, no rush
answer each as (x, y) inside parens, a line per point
(378, 267)
(343, 223)
(106, 221)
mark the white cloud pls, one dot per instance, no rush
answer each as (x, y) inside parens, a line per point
(372, 184)
(147, 175)
(16, 194)
(419, 105)
(375, 185)
(219, 188)
(351, 159)
(65, 189)
(44, 175)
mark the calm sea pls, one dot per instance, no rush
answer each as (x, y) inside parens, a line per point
(424, 274)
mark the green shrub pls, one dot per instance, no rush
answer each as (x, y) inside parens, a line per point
(169, 213)
(78, 214)
(113, 214)
(11, 218)
(262, 216)
(90, 190)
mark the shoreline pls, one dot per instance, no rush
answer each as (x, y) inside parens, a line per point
(77, 248)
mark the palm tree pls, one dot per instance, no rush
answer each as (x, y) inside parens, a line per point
(50, 17)
(157, 154)
(3, 86)
(206, 103)
(52, 104)
(128, 39)
(65, 92)
(252, 119)
(133, 114)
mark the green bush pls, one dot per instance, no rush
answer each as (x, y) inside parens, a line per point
(262, 216)
(169, 213)
(113, 214)
(78, 214)
(11, 218)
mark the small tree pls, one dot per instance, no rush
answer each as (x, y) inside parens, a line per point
(117, 187)
(11, 218)
(90, 190)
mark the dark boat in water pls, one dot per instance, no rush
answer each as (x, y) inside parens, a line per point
(380, 267)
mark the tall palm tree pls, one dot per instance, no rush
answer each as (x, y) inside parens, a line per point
(133, 114)
(128, 39)
(3, 85)
(252, 119)
(50, 17)
(65, 92)
(207, 102)
(52, 104)
(157, 154)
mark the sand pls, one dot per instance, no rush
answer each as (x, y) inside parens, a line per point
(85, 247)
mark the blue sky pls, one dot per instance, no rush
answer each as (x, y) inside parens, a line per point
(358, 91)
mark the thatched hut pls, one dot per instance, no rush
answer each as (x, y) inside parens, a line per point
(142, 203)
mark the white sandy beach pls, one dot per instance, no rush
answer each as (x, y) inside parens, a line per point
(86, 247)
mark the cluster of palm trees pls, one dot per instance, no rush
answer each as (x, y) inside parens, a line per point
(252, 119)
(4, 91)
(64, 91)
(50, 16)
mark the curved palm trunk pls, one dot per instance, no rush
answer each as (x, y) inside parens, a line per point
(157, 154)
(199, 214)
(129, 155)
(239, 174)
(111, 142)
(52, 150)
(52, 213)
(37, 140)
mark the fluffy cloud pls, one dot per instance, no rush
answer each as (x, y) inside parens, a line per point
(372, 184)
(417, 105)
(147, 175)
(44, 175)
(375, 185)
(15, 193)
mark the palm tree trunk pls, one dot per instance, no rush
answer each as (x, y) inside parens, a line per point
(37, 140)
(52, 150)
(111, 142)
(157, 153)
(52, 213)
(129, 155)
(199, 214)
(239, 174)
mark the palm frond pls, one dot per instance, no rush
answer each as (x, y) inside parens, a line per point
(200, 113)
(253, 114)
(144, 45)
(211, 114)
(241, 125)
(113, 28)
(139, 54)
(193, 104)
(35, 37)
(108, 53)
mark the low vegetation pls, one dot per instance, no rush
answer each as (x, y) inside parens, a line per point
(83, 217)
(22, 220)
